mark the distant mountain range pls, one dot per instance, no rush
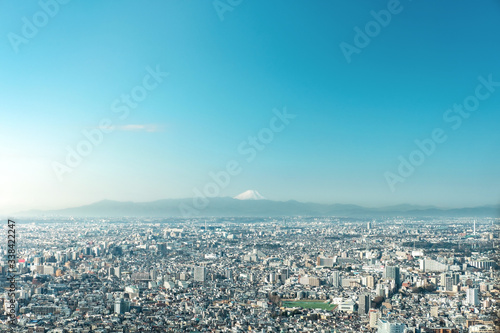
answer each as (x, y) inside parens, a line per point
(232, 207)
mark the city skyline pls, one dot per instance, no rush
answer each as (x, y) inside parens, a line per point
(226, 274)
(250, 166)
(374, 103)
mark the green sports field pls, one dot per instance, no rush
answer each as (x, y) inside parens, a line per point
(309, 305)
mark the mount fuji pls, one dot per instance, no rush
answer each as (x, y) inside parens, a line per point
(250, 195)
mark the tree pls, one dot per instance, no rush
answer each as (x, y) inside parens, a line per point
(377, 301)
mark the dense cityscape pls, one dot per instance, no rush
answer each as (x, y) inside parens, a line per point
(136, 135)
(266, 275)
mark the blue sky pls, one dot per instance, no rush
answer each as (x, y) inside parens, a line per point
(225, 77)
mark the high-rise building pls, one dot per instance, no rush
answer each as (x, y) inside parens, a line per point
(272, 278)
(122, 305)
(374, 317)
(364, 304)
(370, 282)
(442, 279)
(228, 274)
(336, 279)
(472, 297)
(118, 272)
(449, 284)
(153, 274)
(392, 272)
(380, 289)
(200, 273)
(284, 274)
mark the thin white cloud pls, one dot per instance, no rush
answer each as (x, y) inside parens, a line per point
(140, 128)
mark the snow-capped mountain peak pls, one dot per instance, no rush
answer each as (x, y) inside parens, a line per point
(249, 195)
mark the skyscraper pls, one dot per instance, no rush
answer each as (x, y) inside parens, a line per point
(122, 305)
(336, 280)
(392, 272)
(370, 282)
(364, 304)
(200, 273)
(374, 317)
(472, 297)
(153, 274)
(118, 272)
(449, 283)
(284, 275)
(228, 274)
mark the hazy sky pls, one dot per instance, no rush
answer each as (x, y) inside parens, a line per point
(66, 68)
